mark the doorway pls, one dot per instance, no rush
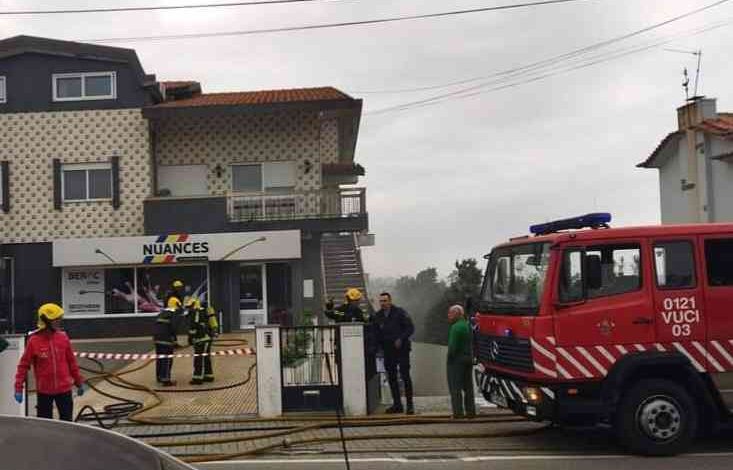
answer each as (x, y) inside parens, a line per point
(252, 295)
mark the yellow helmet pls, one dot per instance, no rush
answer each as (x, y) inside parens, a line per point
(177, 284)
(353, 294)
(48, 312)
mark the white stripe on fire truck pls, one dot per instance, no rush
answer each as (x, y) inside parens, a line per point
(574, 362)
(706, 354)
(506, 389)
(545, 370)
(519, 392)
(543, 351)
(681, 349)
(660, 347)
(551, 339)
(723, 352)
(548, 392)
(563, 372)
(604, 352)
(584, 352)
(639, 347)
(621, 349)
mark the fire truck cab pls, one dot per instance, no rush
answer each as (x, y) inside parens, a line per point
(630, 327)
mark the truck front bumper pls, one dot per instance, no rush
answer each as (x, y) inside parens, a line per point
(536, 402)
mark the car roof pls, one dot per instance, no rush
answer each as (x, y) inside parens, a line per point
(601, 234)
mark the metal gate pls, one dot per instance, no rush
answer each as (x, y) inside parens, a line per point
(310, 367)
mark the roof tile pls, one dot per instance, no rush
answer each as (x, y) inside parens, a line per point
(258, 97)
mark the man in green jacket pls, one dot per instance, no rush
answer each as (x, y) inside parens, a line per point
(460, 364)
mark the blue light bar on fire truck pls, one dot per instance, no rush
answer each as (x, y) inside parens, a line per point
(595, 220)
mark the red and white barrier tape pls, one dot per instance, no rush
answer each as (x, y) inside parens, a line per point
(135, 357)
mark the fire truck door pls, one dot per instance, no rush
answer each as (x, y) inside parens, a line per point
(716, 255)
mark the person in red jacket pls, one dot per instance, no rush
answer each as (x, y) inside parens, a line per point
(49, 352)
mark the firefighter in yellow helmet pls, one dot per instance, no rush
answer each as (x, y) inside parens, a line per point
(166, 341)
(348, 312)
(174, 297)
(203, 328)
(50, 354)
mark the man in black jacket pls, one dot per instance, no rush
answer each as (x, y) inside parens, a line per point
(394, 329)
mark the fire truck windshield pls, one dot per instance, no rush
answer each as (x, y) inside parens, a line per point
(515, 279)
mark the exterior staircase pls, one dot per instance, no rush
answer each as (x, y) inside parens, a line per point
(342, 267)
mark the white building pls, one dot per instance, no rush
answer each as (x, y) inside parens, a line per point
(695, 165)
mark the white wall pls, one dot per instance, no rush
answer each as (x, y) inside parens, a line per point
(722, 175)
(674, 205)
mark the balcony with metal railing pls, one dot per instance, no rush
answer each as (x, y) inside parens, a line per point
(324, 210)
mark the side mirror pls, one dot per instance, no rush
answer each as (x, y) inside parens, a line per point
(593, 272)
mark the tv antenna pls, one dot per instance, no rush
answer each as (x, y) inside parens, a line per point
(686, 82)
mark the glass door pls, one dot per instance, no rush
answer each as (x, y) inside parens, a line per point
(252, 295)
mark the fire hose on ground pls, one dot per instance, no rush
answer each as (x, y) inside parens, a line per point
(131, 410)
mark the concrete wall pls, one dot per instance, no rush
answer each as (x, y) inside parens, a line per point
(722, 179)
(30, 141)
(674, 203)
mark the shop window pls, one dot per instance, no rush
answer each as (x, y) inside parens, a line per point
(90, 292)
(3, 90)
(719, 260)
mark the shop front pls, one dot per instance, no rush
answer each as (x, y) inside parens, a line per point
(250, 277)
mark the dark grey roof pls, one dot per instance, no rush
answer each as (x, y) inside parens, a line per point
(36, 45)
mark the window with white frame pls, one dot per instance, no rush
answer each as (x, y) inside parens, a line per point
(84, 86)
(86, 181)
(269, 178)
(3, 90)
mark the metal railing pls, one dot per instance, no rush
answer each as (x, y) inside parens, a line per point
(325, 203)
(308, 356)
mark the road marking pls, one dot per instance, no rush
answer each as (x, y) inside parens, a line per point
(479, 458)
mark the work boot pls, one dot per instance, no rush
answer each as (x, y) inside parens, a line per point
(410, 409)
(196, 382)
(168, 383)
(208, 379)
(394, 409)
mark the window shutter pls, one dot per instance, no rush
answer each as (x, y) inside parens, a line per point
(5, 165)
(57, 184)
(116, 182)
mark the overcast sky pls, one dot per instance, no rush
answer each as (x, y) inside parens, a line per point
(449, 181)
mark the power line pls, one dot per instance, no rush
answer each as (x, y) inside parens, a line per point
(332, 25)
(475, 91)
(567, 55)
(153, 8)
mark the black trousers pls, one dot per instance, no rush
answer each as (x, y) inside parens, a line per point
(64, 404)
(202, 364)
(394, 360)
(163, 365)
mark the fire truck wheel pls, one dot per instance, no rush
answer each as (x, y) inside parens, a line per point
(657, 417)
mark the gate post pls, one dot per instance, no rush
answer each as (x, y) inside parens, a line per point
(353, 369)
(269, 377)
(8, 362)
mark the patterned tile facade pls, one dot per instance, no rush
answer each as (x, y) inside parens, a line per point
(226, 140)
(30, 141)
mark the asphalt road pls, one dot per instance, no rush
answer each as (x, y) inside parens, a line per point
(498, 462)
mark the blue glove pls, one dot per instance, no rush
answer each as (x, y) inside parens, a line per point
(79, 390)
(19, 397)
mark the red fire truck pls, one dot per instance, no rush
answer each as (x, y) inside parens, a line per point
(629, 327)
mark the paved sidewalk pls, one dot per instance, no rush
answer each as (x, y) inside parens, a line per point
(183, 400)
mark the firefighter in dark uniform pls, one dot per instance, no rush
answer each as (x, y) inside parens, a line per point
(348, 312)
(175, 296)
(203, 328)
(165, 340)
